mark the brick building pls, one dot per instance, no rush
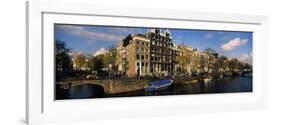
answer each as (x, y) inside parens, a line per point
(152, 53)
(134, 51)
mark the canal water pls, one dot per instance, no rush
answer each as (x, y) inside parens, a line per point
(223, 85)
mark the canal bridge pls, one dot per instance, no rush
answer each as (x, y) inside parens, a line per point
(110, 86)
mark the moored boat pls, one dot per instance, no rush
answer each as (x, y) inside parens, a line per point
(208, 79)
(191, 81)
(159, 85)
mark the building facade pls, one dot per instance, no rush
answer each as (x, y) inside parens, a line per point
(134, 53)
(184, 58)
(149, 54)
(162, 55)
(195, 61)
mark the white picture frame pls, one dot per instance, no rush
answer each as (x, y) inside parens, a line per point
(41, 107)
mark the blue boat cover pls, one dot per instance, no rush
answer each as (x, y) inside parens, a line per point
(161, 82)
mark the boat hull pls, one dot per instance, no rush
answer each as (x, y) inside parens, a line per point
(159, 85)
(153, 89)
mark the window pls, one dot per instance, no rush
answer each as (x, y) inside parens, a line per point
(142, 56)
(138, 56)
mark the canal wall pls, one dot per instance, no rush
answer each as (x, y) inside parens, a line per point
(120, 86)
(110, 86)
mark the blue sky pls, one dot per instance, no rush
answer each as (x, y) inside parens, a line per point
(90, 39)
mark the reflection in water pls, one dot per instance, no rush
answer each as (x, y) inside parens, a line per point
(80, 92)
(224, 85)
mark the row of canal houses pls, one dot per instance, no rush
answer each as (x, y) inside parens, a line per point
(155, 54)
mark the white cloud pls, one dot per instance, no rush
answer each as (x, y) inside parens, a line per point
(232, 44)
(100, 52)
(246, 58)
(90, 36)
